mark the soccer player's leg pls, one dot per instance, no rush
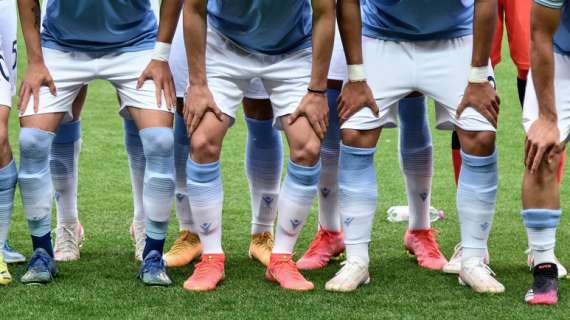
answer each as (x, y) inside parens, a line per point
(8, 178)
(187, 246)
(263, 166)
(328, 241)
(517, 21)
(416, 158)
(64, 166)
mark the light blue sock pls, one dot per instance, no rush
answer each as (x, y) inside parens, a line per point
(64, 162)
(263, 165)
(8, 179)
(329, 216)
(158, 193)
(206, 196)
(181, 151)
(416, 159)
(36, 184)
(358, 198)
(541, 225)
(295, 200)
(476, 200)
(137, 163)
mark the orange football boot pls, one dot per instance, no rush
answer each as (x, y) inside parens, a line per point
(261, 246)
(185, 249)
(282, 270)
(207, 273)
(422, 244)
(327, 244)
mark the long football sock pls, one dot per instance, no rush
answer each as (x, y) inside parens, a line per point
(137, 163)
(158, 192)
(456, 156)
(263, 165)
(155, 235)
(541, 227)
(295, 200)
(181, 150)
(476, 200)
(416, 159)
(64, 166)
(329, 216)
(358, 197)
(206, 196)
(36, 184)
(8, 179)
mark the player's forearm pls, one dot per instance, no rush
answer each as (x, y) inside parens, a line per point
(544, 24)
(350, 26)
(169, 14)
(30, 19)
(323, 39)
(484, 25)
(195, 40)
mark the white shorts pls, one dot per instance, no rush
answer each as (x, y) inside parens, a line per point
(338, 69)
(73, 70)
(438, 69)
(561, 87)
(8, 48)
(179, 67)
(230, 70)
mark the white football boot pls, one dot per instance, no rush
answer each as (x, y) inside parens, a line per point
(354, 272)
(562, 272)
(454, 264)
(477, 275)
(138, 234)
(68, 240)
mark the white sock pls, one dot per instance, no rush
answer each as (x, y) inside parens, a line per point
(64, 167)
(541, 227)
(181, 151)
(295, 200)
(137, 163)
(206, 196)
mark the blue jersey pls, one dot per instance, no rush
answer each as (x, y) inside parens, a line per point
(562, 35)
(265, 26)
(417, 20)
(99, 25)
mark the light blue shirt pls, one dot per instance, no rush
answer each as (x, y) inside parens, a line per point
(417, 20)
(99, 25)
(265, 26)
(562, 35)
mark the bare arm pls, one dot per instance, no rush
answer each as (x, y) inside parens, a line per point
(350, 26)
(195, 39)
(30, 19)
(169, 14)
(484, 25)
(323, 40)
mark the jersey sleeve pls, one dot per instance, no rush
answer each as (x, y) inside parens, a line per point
(555, 4)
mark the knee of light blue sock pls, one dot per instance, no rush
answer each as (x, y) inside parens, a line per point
(68, 132)
(479, 171)
(40, 226)
(541, 218)
(301, 181)
(158, 147)
(357, 175)
(35, 145)
(180, 132)
(155, 229)
(204, 183)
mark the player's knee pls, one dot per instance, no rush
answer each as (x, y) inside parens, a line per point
(308, 153)
(157, 141)
(35, 143)
(478, 143)
(204, 148)
(360, 138)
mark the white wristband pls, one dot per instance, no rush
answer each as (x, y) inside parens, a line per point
(161, 51)
(356, 72)
(479, 74)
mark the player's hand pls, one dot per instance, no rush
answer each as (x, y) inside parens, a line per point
(354, 97)
(198, 102)
(483, 98)
(159, 72)
(314, 107)
(36, 76)
(542, 143)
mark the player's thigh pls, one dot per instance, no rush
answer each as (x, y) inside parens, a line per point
(256, 103)
(178, 61)
(78, 103)
(561, 85)
(443, 75)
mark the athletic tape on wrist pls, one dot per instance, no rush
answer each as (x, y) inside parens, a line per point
(356, 72)
(479, 74)
(161, 51)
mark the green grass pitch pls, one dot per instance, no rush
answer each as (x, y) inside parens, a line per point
(103, 285)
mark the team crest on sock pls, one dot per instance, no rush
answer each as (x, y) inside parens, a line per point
(295, 223)
(325, 191)
(423, 196)
(348, 221)
(485, 226)
(205, 227)
(179, 197)
(268, 200)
